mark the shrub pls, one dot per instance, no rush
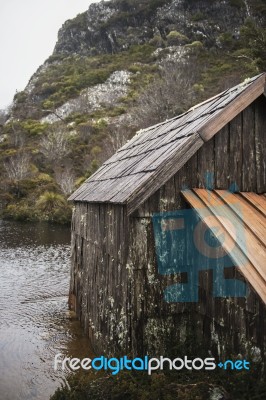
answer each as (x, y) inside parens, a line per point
(157, 41)
(199, 16)
(175, 38)
(48, 104)
(20, 97)
(236, 3)
(226, 39)
(34, 127)
(53, 207)
(164, 385)
(197, 45)
(19, 212)
(49, 201)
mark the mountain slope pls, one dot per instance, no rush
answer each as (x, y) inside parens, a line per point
(119, 66)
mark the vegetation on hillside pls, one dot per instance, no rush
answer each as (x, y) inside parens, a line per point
(41, 163)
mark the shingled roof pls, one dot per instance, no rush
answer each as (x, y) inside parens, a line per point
(155, 154)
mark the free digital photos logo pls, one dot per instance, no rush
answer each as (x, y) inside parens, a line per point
(145, 364)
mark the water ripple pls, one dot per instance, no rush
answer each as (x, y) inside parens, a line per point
(35, 322)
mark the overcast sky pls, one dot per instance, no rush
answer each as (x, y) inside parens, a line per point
(28, 33)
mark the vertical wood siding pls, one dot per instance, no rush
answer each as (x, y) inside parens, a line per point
(99, 286)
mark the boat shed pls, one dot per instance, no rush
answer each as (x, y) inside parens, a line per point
(168, 236)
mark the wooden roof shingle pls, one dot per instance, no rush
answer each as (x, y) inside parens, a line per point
(155, 154)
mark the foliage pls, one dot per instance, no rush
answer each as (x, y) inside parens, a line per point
(53, 207)
(258, 7)
(59, 82)
(33, 127)
(130, 10)
(164, 386)
(236, 3)
(19, 212)
(165, 80)
(49, 201)
(196, 45)
(66, 181)
(254, 39)
(168, 95)
(176, 38)
(18, 166)
(157, 41)
(198, 16)
(55, 145)
(79, 22)
(20, 97)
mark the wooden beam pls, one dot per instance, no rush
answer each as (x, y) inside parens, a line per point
(249, 264)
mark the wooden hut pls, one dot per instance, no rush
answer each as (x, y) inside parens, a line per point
(118, 290)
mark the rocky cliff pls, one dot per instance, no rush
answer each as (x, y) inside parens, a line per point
(113, 26)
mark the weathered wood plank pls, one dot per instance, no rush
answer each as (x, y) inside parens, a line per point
(249, 244)
(205, 166)
(260, 143)
(221, 154)
(248, 214)
(258, 201)
(248, 148)
(235, 155)
(250, 266)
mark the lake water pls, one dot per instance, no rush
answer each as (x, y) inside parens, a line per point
(35, 323)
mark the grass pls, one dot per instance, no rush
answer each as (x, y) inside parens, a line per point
(183, 385)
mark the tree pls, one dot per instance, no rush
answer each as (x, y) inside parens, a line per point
(253, 38)
(3, 117)
(55, 144)
(118, 134)
(66, 180)
(170, 94)
(16, 134)
(18, 167)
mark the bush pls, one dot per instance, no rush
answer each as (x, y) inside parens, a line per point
(164, 386)
(199, 16)
(226, 39)
(53, 207)
(19, 212)
(157, 41)
(175, 38)
(34, 127)
(197, 45)
(20, 97)
(237, 3)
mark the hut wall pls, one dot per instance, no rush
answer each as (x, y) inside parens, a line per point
(235, 155)
(99, 288)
